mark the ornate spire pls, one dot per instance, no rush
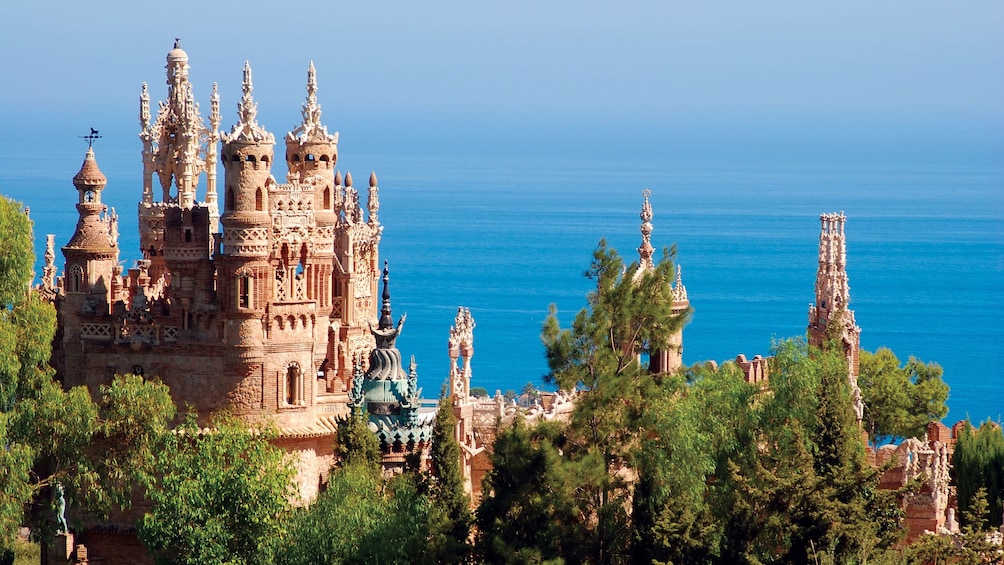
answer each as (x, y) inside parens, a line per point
(214, 110)
(679, 291)
(645, 251)
(310, 129)
(373, 200)
(461, 346)
(144, 108)
(386, 319)
(247, 128)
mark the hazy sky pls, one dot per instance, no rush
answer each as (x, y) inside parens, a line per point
(894, 69)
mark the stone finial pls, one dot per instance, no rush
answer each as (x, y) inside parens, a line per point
(348, 179)
(214, 109)
(310, 128)
(373, 201)
(144, 108)
(247, 128)
(338, 178)
(646, 250)
(679, 291)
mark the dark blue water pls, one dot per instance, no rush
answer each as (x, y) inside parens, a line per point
(508, 236)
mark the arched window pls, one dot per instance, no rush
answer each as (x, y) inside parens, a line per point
(296, 158)
(310, 157)
(327, 198)
(294, 388)
(264, 159)
(188, 235)
(228, 203)
(251, 159)
(258, 200)
(324, 161)
(76, 278)
(235, 158)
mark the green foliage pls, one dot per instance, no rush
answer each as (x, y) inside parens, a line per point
(479, 392)
(518, 518)
(900, 400)
(450, 512)
(98, 451)
(629, 315)
(18, 255)
(225, 495)
(356, 443)
(362, 518)
(978, 464)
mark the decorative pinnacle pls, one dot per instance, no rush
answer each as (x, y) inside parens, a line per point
(144, 108)
(348, 179)
(338, 178)
(373, 179)
(248, 87)
(214, 113)
(646, 249)
(386, 319)
(247, 128)
(311, 83)
(646, 207)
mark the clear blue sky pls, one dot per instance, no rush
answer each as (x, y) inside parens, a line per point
(419, 72)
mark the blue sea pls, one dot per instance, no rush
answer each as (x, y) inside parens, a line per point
(508, 234)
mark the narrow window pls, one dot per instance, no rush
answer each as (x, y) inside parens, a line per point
(228, 204)
(258, 200)
(327, 198)
(244, 291)
(292, 385)
(76, 278)
(188, 235)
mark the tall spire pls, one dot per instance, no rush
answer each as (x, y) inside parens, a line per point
(386, 319)
(311, 129)
(645, 251)
(247, 128)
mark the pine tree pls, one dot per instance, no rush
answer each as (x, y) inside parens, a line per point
(978, 463)
(450, 516)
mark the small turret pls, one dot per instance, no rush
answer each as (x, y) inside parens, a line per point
(92, 252)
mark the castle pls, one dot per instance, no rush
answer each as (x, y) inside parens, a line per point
(262, 307)
(266, 306)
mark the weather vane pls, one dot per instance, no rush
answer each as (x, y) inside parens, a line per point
(91, 137)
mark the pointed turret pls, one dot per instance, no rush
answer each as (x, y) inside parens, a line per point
(92, 252)
(247, 156)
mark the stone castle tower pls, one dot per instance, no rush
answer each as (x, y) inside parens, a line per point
(830, 317)
(670, 359)
(262, 307)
